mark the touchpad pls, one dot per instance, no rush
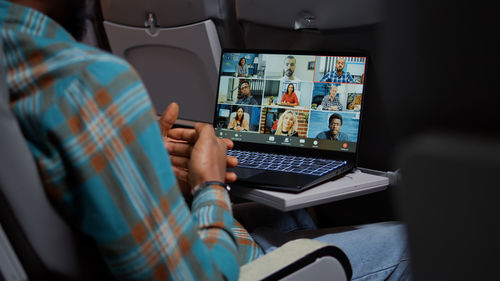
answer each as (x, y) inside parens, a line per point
(244, 173)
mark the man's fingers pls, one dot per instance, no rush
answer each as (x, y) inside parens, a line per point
(231, 177)
(204, 131)
(178, 148)
(229, 143)
(231, 161)
(181, 174)
(180, 162)
(188, 135)
(168, 118)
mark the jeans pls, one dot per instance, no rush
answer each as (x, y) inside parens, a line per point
(377, 251)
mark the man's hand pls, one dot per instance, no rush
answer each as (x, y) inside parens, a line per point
(208, 157)
(179, 143)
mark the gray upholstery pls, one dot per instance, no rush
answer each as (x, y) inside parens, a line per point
(45, 244)
(175, 46)
(449, 201)
(300, 259)
(176, 64)
(316, 14)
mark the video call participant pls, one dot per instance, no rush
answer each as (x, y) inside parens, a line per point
(289, 69)
(334, 123)
(338, 75)
(246, 98)
(287, 124)
(289, 97)
(331, 101)
(242, 68)
(239, 123)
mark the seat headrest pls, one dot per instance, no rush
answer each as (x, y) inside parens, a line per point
(167, 13)
(313, 14)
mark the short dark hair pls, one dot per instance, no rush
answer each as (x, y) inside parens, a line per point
(290, 57)
(335, 116)
(243, 82)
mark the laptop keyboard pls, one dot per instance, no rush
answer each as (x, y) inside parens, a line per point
(285, 163)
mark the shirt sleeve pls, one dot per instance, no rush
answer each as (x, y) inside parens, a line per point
(349, 78)
(326, 78)
(106, 168)
(295, 99)
(324, 104)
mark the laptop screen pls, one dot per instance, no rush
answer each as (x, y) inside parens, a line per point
(291, 99)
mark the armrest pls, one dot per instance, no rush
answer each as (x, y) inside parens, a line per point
(301, 259)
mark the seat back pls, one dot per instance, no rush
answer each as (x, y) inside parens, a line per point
(44, 243)
(175, 47)
(449, 201)
(449, 147)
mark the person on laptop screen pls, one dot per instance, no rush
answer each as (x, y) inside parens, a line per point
(289, 69)
(242, 68)
(246, 97)
(239, 123)
(334, 123)
(331, 101)
(287, 124)
(338, 75)
(289, 97)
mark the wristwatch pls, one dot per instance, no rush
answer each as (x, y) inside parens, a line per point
(199, 187)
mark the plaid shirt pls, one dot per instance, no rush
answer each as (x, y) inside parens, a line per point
(89, 123)
(332, 76)
(327, 102)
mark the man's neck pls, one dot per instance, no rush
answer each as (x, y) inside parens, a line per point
(339, 72)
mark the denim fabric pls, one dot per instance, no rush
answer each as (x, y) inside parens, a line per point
(377, 251)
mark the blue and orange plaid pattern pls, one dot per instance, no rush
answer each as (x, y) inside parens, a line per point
(89, 123)
(332, 76)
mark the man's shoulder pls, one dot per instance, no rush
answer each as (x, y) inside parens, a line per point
(252, 100)
(323, 135)
(97, 67)
(342, 137)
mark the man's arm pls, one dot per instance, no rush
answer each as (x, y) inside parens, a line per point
(324, 102)
(337, 103)
(327, 77)
(119, 188)
(349, 78)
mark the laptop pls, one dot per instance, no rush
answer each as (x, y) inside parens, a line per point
(276, 106)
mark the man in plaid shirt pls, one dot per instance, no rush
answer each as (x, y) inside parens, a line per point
(338, 75)
(89, 123)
